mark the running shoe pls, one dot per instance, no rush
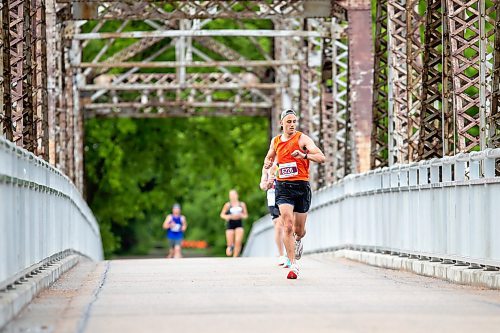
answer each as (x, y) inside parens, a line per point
(298, 249)
(293, 273)
(287, 263)
(282, 260)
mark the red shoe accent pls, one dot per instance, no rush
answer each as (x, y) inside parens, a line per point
(291, 275)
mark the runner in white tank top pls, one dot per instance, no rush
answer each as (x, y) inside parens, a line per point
(267, 183)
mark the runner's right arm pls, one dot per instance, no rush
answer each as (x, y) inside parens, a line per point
(271, 155)
(223, 214)
(264, 180)
(166, 223)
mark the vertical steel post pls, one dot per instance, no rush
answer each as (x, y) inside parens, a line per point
(52, 78)
(327, 113)
(312, 105)
(16, 57)
(342, 162)
(78, 128)
(2, 47)
(28, 113)
(414, 50)
(398, 103)
(379, 143)
(448, 113)
(360, 82)
(42, 96)
(470, 53)
(494, 119)
(5, 74)
(430, 143)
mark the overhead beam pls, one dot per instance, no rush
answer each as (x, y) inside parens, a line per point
(175, 113)
(175, 64)
(263, 9)
(200, 33)
(181, 104)
(202, 86)
(360, 84)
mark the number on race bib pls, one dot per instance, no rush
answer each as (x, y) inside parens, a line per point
(287, 170)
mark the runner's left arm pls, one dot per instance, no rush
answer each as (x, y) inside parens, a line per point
(184, 223)
(244, 213)
(313, 153)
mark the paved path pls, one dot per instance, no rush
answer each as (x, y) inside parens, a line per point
(252, 295)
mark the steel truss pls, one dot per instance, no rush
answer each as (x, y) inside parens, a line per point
(379, 144)
(24, 96)
(337, 141)
(435, 74)
(166, 10)
(436, 120)
(49, 94)
(471, 28)
(494, 119)
(442, 79)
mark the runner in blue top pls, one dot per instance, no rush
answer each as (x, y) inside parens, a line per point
(176, 225)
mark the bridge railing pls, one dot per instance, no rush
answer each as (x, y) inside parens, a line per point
(42, 215)
(441, 208)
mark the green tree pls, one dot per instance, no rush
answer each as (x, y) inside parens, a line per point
(136, 169)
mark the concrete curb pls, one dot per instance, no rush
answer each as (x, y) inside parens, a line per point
(449, 272)
(20, 294)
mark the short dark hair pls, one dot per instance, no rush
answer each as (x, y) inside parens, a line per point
(287, 112)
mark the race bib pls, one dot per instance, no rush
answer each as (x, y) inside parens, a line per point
(288, 170)
(176, 227)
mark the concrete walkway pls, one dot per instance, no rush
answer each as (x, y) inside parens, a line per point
(252, 295)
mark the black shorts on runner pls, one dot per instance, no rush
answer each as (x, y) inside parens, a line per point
(274, 211)
(174, 242)
(296, 193)
(234, 224)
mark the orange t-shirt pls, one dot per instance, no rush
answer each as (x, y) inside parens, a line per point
(290, 168)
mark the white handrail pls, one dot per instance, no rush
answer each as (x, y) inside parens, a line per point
(443, 208)
(42, 215)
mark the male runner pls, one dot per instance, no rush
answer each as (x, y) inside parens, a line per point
(293, 150)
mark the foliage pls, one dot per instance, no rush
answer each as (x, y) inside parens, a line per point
(136, 170)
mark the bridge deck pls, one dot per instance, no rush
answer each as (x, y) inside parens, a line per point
(249, 294)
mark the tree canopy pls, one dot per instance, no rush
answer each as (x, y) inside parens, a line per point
(136, 169)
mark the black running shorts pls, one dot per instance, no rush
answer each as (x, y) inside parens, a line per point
(234, 224)
(296, 193)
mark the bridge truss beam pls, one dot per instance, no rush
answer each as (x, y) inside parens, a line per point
(291, 75)
(441, 82)
(435, 83)
(167, 10)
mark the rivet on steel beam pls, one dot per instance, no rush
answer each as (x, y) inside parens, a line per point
(461, 263)
(490, 268)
